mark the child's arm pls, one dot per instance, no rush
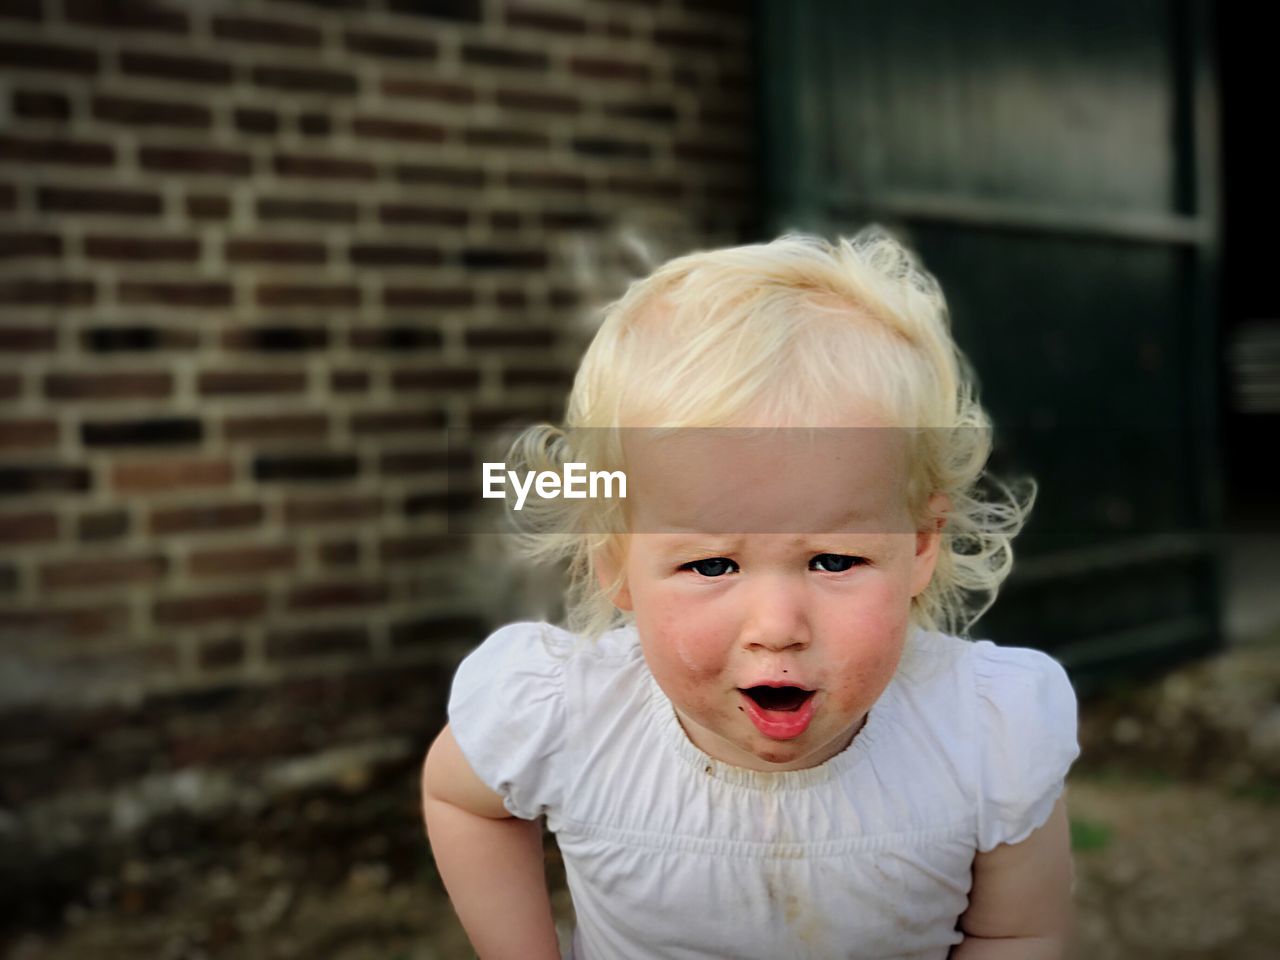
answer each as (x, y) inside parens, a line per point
(491, 863)
(1020, 905)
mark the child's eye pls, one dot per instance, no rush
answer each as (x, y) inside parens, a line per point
(712, 566)
(834, 562)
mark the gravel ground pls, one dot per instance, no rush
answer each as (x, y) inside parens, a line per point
(1175, 812)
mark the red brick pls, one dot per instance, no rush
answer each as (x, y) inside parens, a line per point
(503, 57)
(137, 338)
(516, 377)
(420, 89)
(53, 293)
(612, 68)
(28, 527)
(660, 187)
(435, 378)
(386, 128)
(29, 245)
(56, 57)
(398, 338)
(691, 40)
(505, 220)
(136, 112)
(507, 137)
(301, 426)
(512, 300)
(197, 160)
(393, 255)
(176, 293)
(222, 383)
(102, 525)
(332, 509)
(324, 211)
(20, 339)
(509, 338)
(317, 641)
(416, 461)
(421, 51)
(440, 176)
(546, 180)
(526, 100)
(54, 623)
(98, 200)
(138, 15)
(195, 519)
(402, 549)
(249, 120)
(41, 105)
(397, 421)
(207, 207)
(102, 572)
(274, 251)
(43, 478)
(159, 476)
(309, 295)
(713, 154)
(20, 10)
(405, 213)
(327, 168)
(412, 297)
(349, 381)
(27, 433)
(338, 593)
(611, 148)
(650, 111)
(260, 30)
(315, 124)
(221, 653)
(210, 608)
(339, 553)
(276, 338)
(108, 386)
(548, 19)
(49, 150)
(303, 80)
(242, 560)
(503, 258)
(460, 11)
(154, 248)
(181, 67)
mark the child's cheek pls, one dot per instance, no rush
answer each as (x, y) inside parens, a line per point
(684, 641)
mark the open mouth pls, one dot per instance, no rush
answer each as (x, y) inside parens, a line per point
(786, 699)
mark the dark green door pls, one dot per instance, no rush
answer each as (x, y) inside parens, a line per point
(1054, 165)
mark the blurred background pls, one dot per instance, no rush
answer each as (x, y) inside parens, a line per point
(256, 258)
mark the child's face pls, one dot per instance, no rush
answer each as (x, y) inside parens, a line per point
(819, 617)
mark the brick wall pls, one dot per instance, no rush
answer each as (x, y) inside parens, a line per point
(254, 258)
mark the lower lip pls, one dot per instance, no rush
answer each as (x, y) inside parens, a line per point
(780, 724)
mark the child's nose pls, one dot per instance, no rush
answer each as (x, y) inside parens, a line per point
(775, 616)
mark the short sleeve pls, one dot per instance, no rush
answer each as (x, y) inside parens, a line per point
(507, 713)
(1026, 714)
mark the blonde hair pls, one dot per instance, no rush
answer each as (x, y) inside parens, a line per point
(783, 332)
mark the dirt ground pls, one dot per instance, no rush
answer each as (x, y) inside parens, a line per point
(1175, 810)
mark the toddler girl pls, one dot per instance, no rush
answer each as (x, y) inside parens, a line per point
(760, 737)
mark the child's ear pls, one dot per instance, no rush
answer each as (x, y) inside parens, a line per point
(929, 543)
(611, 576)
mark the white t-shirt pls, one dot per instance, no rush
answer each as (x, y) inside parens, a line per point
(670, 853)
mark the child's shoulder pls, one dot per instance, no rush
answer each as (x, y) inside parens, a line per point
(986, 667)
(536, 640)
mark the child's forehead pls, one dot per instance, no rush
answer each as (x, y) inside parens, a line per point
(767, 480)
